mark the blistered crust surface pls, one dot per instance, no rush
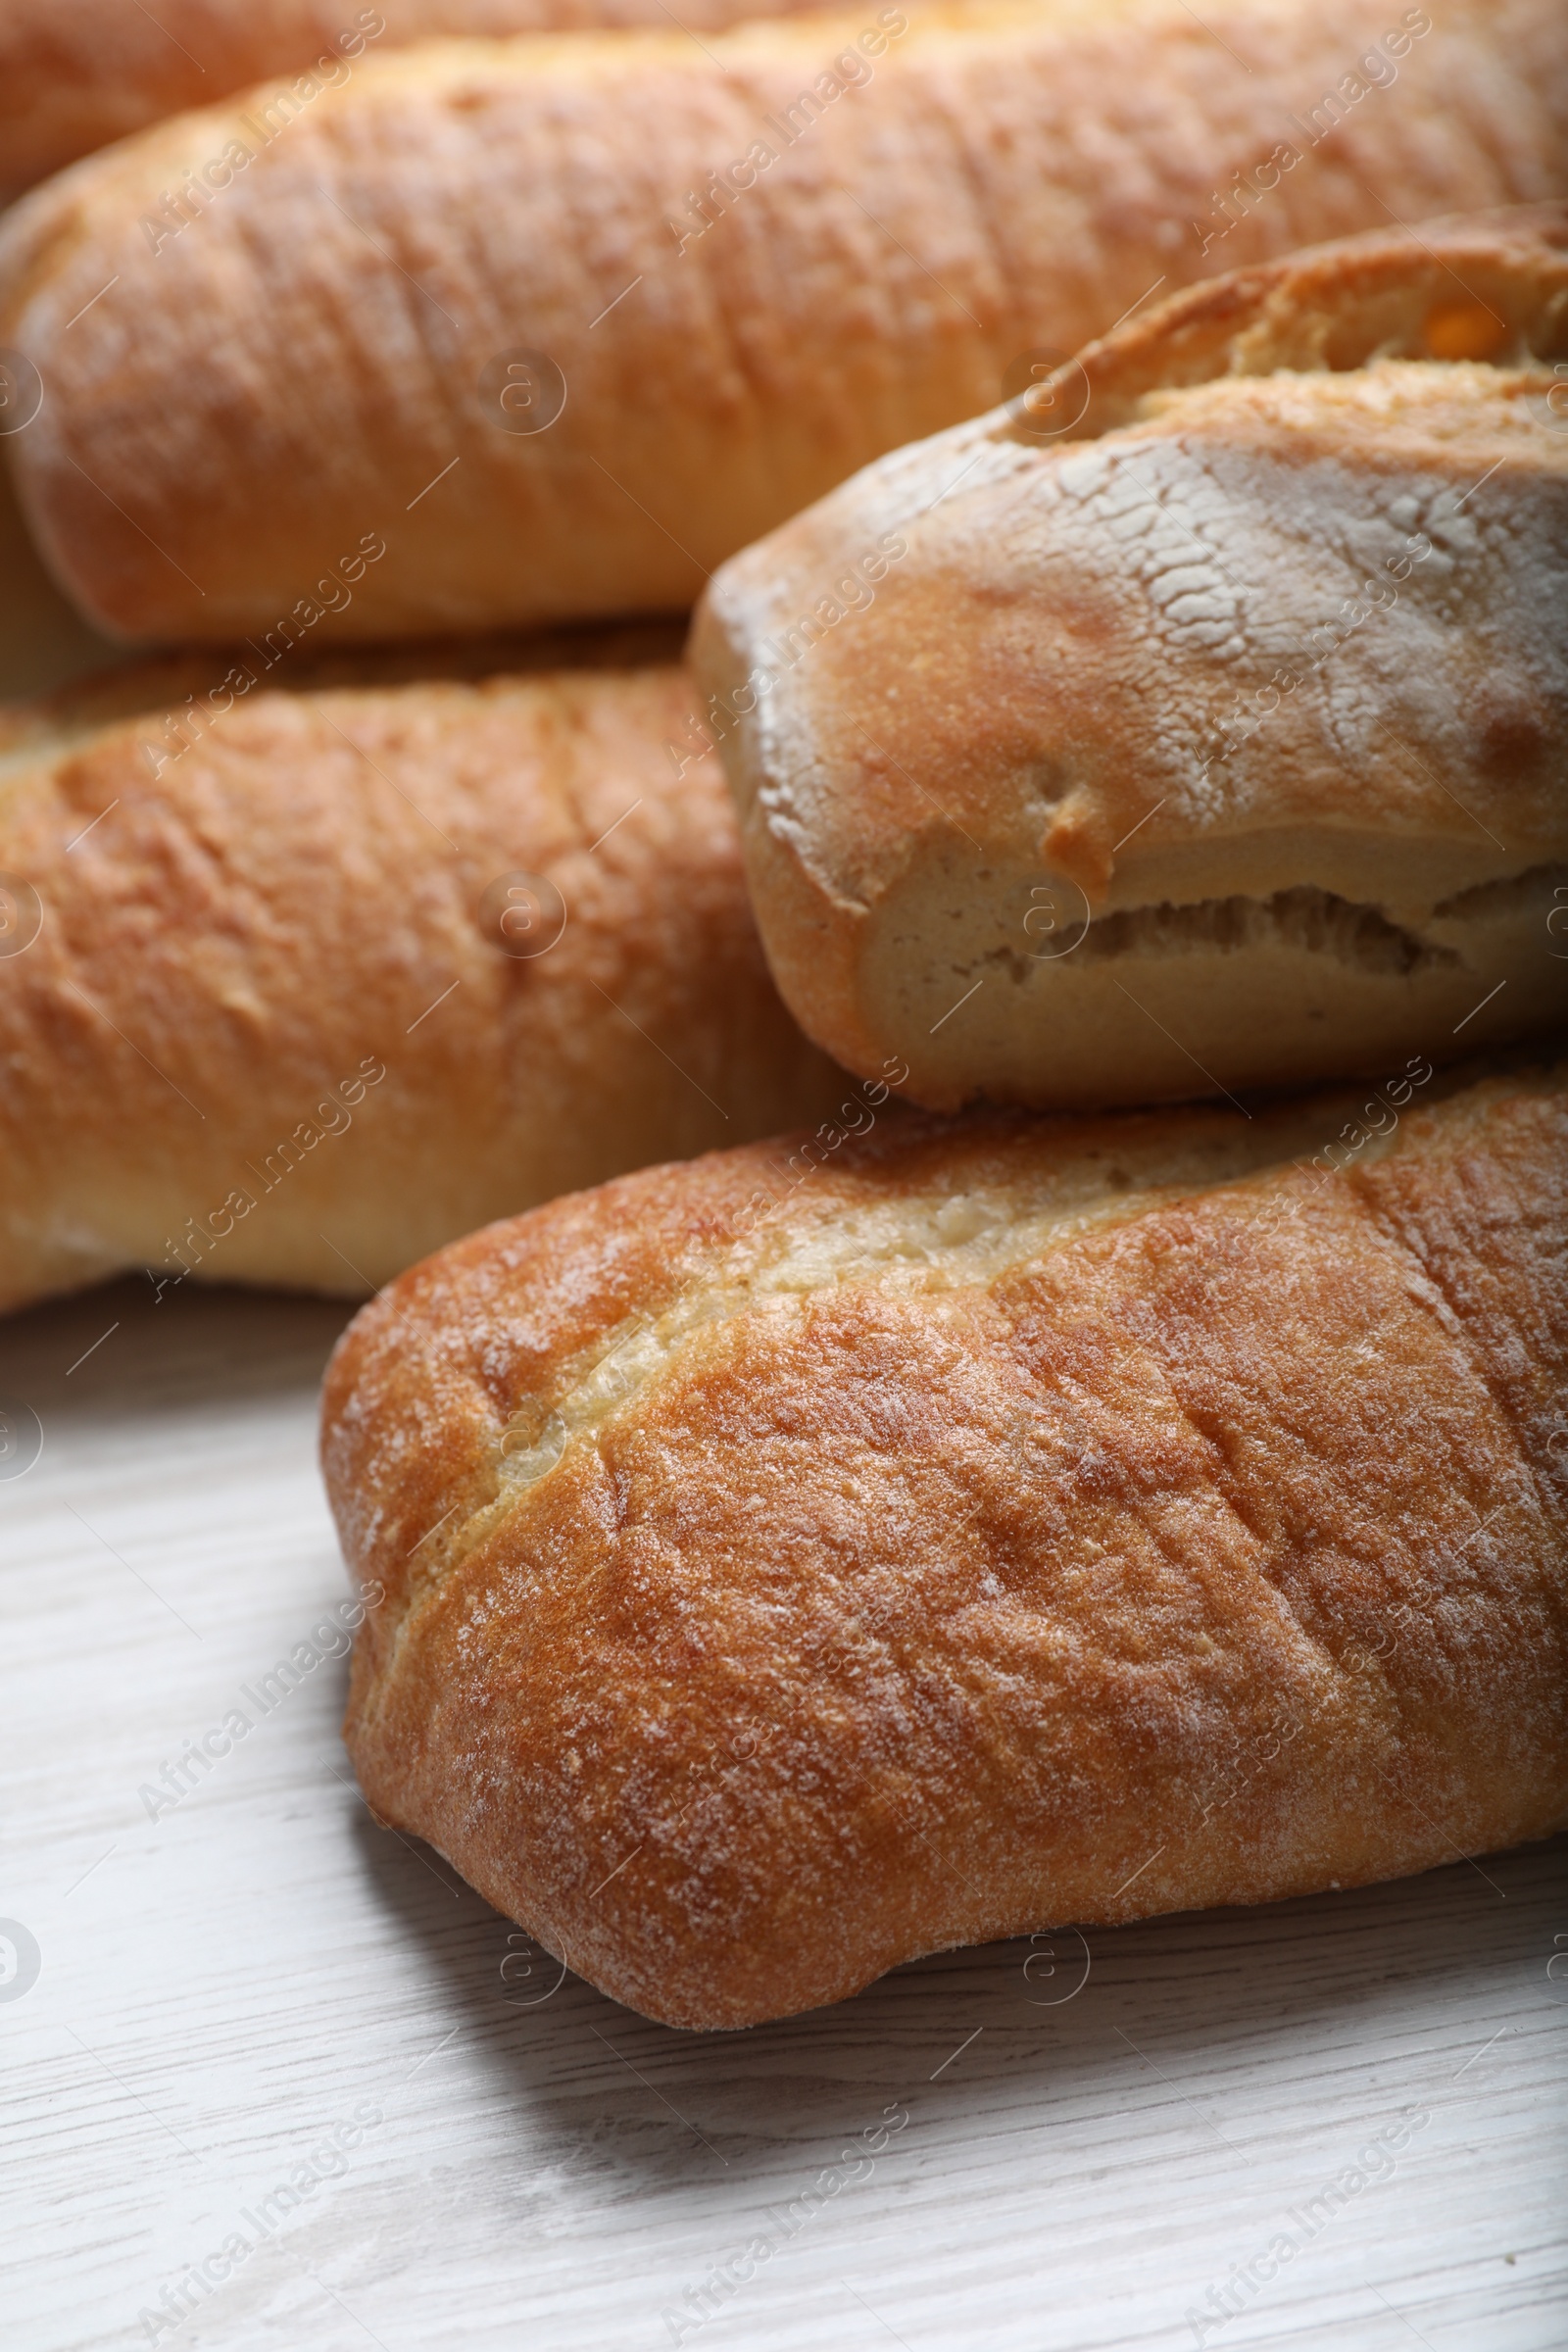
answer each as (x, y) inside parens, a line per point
(996, 1526)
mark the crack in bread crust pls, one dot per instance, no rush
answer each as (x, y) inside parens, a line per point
(1275, 618)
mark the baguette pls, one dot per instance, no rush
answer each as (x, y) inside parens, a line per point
(77, 73)
(1218, 739)
(244, 374)
(790, 1569)
(361, 966)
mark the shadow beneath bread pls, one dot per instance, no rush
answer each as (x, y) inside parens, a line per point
(1086, 2027)
(121, 1350)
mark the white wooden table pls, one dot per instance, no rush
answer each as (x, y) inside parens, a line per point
(224, 1988)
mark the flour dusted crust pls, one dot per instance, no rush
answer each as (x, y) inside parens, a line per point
(268, 1030)
(1215, 740)
(951, 189)
(77, 73)
(798, 1560)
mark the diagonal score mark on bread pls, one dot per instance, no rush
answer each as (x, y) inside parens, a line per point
(930, 1243)
(926, 1241)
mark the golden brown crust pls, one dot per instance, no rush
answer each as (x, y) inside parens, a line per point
(77, 73)
(1253, 678)
(1014, 1523)
(271, 1027)
(939, 205)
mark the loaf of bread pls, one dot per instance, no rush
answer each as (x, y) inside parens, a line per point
(826, 1553)
(295, 986)
(567, 320)
(77, 73)
(1200, 720)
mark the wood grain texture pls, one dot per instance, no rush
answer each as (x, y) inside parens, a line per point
(224, 1988)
